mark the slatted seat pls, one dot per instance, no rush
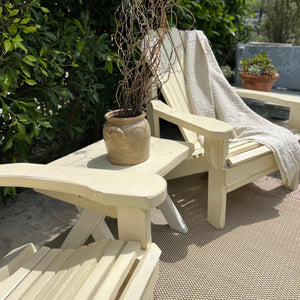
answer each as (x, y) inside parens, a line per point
(229, 165)
(106, 269)
(241, 152)
(100, 269)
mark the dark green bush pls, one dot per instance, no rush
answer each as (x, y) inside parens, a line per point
(56, 79)
(224, 22)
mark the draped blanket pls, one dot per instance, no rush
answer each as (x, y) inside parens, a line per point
(212, 96)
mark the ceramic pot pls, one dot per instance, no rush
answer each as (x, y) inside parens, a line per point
(259, 82)
(127, 140)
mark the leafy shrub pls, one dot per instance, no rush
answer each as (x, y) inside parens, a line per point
(55, 80)
(282, 24)
(224, 22)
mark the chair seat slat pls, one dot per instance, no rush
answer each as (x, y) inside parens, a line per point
(250, 153)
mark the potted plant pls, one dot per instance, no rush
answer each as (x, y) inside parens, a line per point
(258, 73)
(126, 131)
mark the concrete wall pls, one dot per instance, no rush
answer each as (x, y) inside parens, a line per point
(285, 58)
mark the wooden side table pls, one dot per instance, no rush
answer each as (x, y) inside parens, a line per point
(165, 155)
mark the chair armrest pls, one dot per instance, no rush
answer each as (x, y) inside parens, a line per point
(208, 127)
(102, 187)
(277, 98)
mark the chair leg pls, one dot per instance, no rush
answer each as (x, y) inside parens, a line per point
(84, 226)
(217, 194)
(172, 215)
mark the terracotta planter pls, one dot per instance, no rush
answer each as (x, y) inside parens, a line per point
(127, 140)
(260, 82)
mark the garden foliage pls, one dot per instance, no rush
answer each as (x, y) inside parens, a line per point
(55, 71)
(282, 23)
(224, 22)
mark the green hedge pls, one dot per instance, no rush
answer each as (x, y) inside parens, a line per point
(56, 78)
(224, 22)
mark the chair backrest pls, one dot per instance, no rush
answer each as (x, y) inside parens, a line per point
(174, 89)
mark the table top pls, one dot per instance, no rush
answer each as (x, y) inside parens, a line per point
(165, 155)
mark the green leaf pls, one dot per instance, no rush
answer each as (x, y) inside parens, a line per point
(25, 119)
(28, 104)
(99, 86)
(8, 144)
(74, 65)
(4, 108)
(27, 138)
(28, 62)
(45, 124)
(36, 129)
(30, 81)
(51, 36)
(45, 10)
(29, 29)
(44, 72)
(42, 62)
(80, 44)
(26, 72)
(8, 45)
(17, 20)
(78, 129)
(12, 29)
(21, 129)
(78, 24)
(1, 10)
(109, 66)
(20, 45)
(25, 21)
(17, 38)
(42, 51)
(30, 58)
(54, 98)
(13, 12)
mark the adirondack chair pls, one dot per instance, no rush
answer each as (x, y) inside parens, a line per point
(229, 165)
(109, 269)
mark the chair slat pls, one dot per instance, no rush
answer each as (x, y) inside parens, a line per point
(88, 265)
(242, 147)
(37, 272)
(248, 155)
(67, 267)
(30, 293)
(141, 275)
(67, 280)
(248, 151)
(110, 286)
(97, 276)
(101, 270)
(15, 259)
(7, 286)
(174, 90)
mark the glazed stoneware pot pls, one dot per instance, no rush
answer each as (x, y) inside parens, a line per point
(127, 140)
(259, 82)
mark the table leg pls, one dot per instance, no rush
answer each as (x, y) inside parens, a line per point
(172, 215)
(84, 226)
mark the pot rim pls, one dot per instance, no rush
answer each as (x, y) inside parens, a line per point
(258, 75)
(111, 116)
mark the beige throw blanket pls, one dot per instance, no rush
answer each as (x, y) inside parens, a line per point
(212, 96)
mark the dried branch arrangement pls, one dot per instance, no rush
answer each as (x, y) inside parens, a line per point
(139, 55)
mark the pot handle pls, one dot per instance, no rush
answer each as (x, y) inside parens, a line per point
(115, 131)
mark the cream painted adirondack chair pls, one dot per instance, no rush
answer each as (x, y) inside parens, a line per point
(108, 269)
(230, 165)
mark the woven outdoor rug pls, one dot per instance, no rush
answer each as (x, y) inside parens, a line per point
(256, 255)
